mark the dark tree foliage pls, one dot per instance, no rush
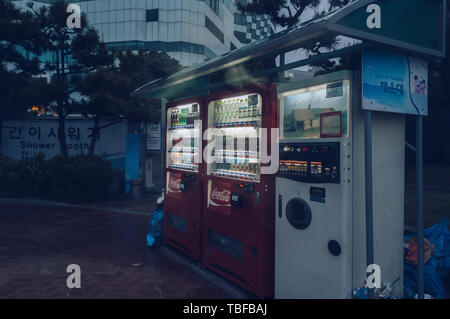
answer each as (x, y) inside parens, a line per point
(107, 89)
(74, 51)
(285, 13)
(436, 142)
(288, 13)
(18, 35)
(20, 44)
(45, 62)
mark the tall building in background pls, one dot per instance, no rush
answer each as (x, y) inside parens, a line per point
(188, 30)
(249, 28)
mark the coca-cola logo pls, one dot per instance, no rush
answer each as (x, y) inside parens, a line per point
(174, 183)
(219, 200)
(221, 195)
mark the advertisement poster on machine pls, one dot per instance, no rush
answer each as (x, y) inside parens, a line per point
(394, 83)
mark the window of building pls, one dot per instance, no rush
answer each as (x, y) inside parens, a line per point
(214, 30)
(152, 15)
(241, 36)
(240, 19)
(214, 5)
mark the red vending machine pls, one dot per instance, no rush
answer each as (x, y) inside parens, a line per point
(238, 218)
(183, 186)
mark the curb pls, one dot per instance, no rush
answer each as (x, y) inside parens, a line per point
(217, 281)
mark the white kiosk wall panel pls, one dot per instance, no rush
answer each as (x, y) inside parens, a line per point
(388, 158)
(303, 267)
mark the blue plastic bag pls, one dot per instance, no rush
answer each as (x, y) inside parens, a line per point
(439, 235)
(155, 233)
(437, 269)
(432, 282)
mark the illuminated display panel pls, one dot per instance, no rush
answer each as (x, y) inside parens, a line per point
(315, 112)
(183, 137)
(236, 138)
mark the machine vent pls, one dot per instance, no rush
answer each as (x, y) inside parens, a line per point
(177, 222)
(225, 244)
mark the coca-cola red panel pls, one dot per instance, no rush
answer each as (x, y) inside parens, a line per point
(173, 185)
(183, 184)
(238, 227)
(220, 197)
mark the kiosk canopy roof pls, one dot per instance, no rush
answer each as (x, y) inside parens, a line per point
(348, 20)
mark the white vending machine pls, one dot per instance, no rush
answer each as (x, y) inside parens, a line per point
(320, 212)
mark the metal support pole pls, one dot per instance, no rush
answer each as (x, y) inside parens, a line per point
(419, 206)
(282, 63)
(368, 189)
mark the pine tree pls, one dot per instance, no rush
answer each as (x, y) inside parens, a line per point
(107, 89)
(287, 13)
(20, 44)
(290, 13)
(75, 51)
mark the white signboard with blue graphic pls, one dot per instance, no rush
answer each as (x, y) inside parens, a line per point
(394, 83)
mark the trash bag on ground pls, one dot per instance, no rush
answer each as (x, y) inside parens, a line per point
(439, 235)
(156, 223)
(432, 282)
(436, 268)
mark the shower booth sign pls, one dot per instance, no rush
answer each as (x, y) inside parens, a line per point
(26, 138)
(394, 83)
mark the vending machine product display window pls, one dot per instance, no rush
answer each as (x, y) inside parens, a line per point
(236, 137)
(182, 138)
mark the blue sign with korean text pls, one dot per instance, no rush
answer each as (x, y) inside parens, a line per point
(394, 83)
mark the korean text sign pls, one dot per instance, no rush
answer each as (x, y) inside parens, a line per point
(394, 83)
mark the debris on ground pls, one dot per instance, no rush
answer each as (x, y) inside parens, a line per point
(384, 292)
(436, 266)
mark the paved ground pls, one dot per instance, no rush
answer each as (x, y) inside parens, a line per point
(122, 203)
(38, 241)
